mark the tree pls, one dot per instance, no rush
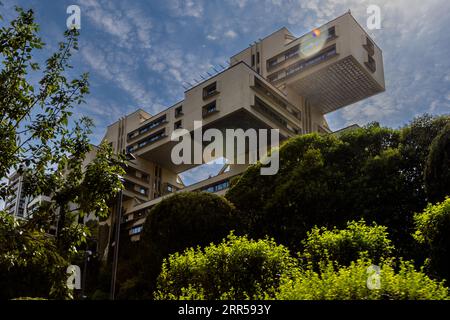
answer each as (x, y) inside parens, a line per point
(326, 180)
(351, 283)
(236, 269)
(432, 233)
(178, 222)
(437, 169)
(344, 246)
(30, 264)
(40, 141)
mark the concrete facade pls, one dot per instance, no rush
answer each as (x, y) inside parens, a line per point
(280, 81)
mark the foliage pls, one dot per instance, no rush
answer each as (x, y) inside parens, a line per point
(372, 173)
(347, 245)
(29, 263)
(432, 232)
(350, 283)
(40, 140)
(237, 268)
(437, 170)
(178, 222)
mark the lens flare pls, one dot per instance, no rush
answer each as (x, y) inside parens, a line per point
(313, 42)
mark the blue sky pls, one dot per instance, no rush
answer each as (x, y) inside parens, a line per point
(138, 53)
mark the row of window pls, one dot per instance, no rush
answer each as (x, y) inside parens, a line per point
(294, 51)
(149, 140)
(136, 230)
(275, 116)
(303, 64)
(131, 186)
(266, 91)
(217, 187)
(149, 126)
(370, 48)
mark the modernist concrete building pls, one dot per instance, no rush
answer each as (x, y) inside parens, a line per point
(17, 202)
(281, 81)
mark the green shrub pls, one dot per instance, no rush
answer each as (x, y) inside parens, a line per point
(183, 220)
(347, 245)
(351, 283)
(433, 232)
(437, 169)
(373, 173)
(237, 268)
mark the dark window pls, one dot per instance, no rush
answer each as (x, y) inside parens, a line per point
(253, 60)
(210, 90)
(369, 46)
(257, 58)
(331, 32)
(154, 137)
(209, 109)
(147, 127)
(269, 112)
(217, 187)
(178, 125)
(136, 230)
(371, 64)
(179, 111)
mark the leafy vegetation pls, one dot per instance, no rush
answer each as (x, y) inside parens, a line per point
(41, 141)
(350, 283)
(345, 246)
(237, 268)
(432, 232)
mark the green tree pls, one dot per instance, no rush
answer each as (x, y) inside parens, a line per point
(432, 232)
(350, 283)
(39, 139)
(325, 180)
(344, 246)
(237, 268)
(178, 222)
(437, 170)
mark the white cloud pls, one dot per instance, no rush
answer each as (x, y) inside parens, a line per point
(230, 34)
(186, 8)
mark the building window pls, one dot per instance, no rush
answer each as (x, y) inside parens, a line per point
(178, 111)
(369, 46)
(143, 190)
(371, 64)
(257, 58)
(271, 114)
(136, 230)
(253, 60)
(152, 138)
(151, 125)
(209, 109)
(331, 33)
(217, 187)
(210, 90)
(178, 125)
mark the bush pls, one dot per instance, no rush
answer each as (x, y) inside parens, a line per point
(347, 245)
(372, 173)
(237, 268)
(437, 170)
(178, 222)
(350, 283)
(432, 231)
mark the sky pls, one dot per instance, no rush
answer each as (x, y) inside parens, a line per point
(139, 53)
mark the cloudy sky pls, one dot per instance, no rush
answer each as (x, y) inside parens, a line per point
(139, 53)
